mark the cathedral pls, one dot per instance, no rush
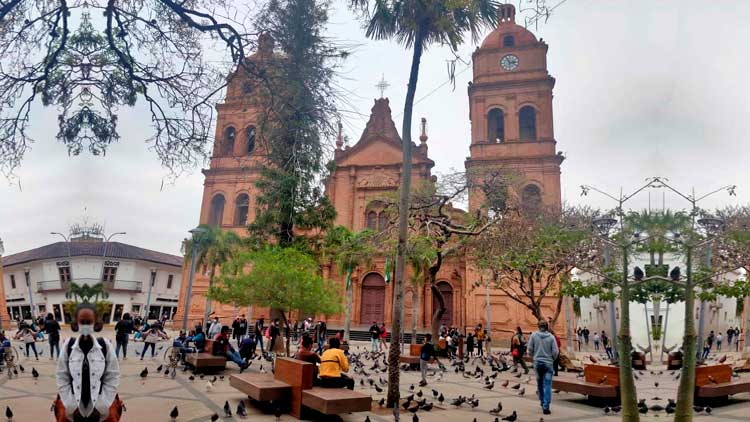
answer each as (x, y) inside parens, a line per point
(510, 107)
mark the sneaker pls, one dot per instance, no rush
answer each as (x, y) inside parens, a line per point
(546, 411)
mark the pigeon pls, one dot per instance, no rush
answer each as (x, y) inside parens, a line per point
(427, 407)
(277, 412)
(21, 368)
(381, 403)
(378, 389)
(698, 409)
(607, 410)
(723, 359)
(497, 410)
(441, 398)
(415, 418)
(435, 393)
(209, 386)
(214, 417)
(227, 410)
(144, 373)
(174, 413)
(516, 386)
(522, 392)
(638, 273)
(708, 409)
(158, 368)
(512, 417)
(490, 385)
(34, 373)
(8, 413)
(642, 410)
(505, 383)
(191, 378)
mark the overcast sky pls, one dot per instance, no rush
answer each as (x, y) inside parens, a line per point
(644, 88)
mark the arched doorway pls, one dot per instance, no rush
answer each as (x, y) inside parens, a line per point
(447, 291)
(372, 301)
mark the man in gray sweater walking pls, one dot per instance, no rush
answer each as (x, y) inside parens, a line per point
(543, 348)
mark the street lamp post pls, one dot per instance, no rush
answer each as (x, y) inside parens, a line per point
(194, 250)
(27, 276)
(2, 251)
(151, 282)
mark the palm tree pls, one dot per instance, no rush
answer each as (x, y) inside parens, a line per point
(417, 25)
(86, 292)
(351, 250)
(216, 247)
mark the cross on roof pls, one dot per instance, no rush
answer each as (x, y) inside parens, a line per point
(382, 85)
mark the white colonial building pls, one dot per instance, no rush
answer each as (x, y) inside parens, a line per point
(138, 280)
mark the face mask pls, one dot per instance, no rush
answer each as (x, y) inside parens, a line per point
(86, 329)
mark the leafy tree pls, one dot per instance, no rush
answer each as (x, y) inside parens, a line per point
(279, 278)
(86, 292)
(296, 98)
(91, 59)
(416, 25)
(215, 248)
(528, 258)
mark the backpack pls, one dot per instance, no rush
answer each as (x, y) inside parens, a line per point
(99, 340)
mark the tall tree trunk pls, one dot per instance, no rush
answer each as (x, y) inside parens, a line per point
(403, 224)
(207, 311)
(414, 312)
(437, 314)
(684, 409)
(627, 384)
(648, 328)
(747, 325)
(348, 312)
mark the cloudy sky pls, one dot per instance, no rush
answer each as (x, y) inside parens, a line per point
(644, 88)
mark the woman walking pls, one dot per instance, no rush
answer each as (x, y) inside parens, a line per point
(52, 329)
(518, 349)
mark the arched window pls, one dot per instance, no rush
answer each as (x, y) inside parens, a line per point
(508, 41)
(230, 134)
(382, 221)
(216, 216)
(527, 123)
(531, 199)
(241, 206)
(250, 132)
(495, 125)
(372, 220)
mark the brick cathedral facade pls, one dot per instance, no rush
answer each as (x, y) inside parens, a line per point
(510, 107)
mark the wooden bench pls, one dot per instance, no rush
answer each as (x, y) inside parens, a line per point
(715, 382)
(639, 361)
(261, 387)
(333, 401)
(413, 357)
(674, 361)
(600, 382)
(299, 376)
(206, 361)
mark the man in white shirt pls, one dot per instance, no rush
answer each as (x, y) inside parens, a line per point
(88, 373)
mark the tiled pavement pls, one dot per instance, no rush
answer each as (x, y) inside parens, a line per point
(153, 399)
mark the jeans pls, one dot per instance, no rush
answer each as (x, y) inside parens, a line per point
(596, 345)
(33, 347)
(706, 350)
(146, 346)
(54, 345)
(337, 382)
(122, 343)
(520, 361)
(374, 344)
(423, 364)
(544, 372)
(239, 337)
(718, 345)
(480, 348)
(608, 349)
(321, 341)
(260, 341)
(235, 357)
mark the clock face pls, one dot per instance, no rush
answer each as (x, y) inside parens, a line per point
(509, 62)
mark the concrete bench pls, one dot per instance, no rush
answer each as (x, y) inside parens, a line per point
(674, 362)
(261, 387)
(724, 389)
(206, 362)
(299, 376)
(334, 401)
(639, 361)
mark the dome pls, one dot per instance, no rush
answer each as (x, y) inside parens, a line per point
(507, 27)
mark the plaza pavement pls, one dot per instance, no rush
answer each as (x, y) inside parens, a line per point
(153, 399)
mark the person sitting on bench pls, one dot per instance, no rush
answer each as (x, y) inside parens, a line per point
(223, 348)
(332, 363)
(305, 353)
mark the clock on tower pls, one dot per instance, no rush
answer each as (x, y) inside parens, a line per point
(510, 105)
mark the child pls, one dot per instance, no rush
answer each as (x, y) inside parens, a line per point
(29, 338)
(151, 337)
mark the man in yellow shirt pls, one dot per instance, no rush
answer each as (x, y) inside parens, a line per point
(332, 364)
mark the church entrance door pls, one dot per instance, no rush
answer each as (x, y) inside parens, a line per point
(447, 291)
(372, 301)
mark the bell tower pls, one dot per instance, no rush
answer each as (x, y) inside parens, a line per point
(510, 106)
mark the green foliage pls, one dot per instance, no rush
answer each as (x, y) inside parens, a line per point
(348, 249)
(296, 97)
(278, 278)
(86, 292)
(215, 247)
(103, 307)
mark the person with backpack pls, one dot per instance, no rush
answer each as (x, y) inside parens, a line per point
(151, 337)
(52, 328)
(426, 354)
(88, 373)
(29, 339)
(518, 350)
(123, 329)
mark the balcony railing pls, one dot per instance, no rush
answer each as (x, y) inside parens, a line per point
(117, 285)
